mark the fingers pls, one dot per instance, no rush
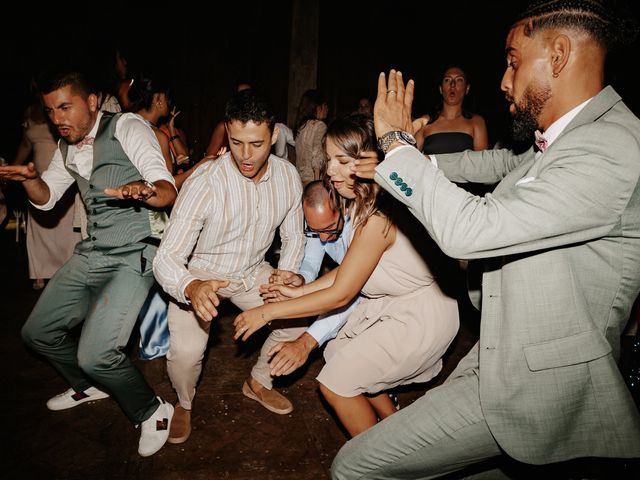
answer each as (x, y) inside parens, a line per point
(239, 326)
(408, 95)
(275, 349)
(243, 331)
(136, 191)
(282, 364)
(206, 307)
(365, 167)
(392, 86)
(399, 87)
(419, 123)
(369, 154)
(113, 192)
(382, 87)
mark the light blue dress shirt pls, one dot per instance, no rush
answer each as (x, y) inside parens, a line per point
(327, 326)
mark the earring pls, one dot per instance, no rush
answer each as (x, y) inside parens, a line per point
(556, 74)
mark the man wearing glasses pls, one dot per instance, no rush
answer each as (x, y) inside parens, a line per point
(327, 232)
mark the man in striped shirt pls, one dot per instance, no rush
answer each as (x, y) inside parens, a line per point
(222, 225)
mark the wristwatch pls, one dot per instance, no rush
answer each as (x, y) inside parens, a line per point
(147, 183)
(385, 141)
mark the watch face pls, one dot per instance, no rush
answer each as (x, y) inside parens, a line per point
(407, 137)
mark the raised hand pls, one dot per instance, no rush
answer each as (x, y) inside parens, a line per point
(203, 295)
(392, 110)
(174, 113)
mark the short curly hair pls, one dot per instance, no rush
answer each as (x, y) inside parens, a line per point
(249, 106)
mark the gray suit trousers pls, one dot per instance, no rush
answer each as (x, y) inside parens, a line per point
(441, 432)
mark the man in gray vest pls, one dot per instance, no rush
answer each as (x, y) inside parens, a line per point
(118, 166)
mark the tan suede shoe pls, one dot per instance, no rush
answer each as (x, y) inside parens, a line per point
(269, 399)
(180, 425)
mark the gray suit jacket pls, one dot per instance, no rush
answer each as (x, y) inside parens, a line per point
(562, 235)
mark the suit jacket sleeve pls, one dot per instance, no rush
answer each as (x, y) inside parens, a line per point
(487, 166)
(580, 191)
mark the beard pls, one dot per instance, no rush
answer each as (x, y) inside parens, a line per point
(525, 118)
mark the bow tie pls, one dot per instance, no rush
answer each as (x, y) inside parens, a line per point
(85, 141)
(540, 142)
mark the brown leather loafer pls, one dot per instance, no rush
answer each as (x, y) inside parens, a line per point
(269, 399)
(180, 425)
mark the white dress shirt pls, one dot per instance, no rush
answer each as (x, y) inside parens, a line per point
(137, 140)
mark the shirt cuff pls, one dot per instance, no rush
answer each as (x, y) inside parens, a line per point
(182, 286)
(45, 206)
(397, 149)
(432, 158)
(319, 332)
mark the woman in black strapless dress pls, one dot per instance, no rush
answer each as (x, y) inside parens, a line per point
(452, 128)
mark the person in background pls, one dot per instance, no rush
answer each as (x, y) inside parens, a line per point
(50, 235)
(452, 128)
(219, 137)
(365, 107)
(310, 130)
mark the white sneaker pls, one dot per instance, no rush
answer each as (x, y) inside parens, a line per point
(155, 429)
(71, 398)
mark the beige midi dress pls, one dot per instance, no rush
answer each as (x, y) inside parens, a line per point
(399, 331)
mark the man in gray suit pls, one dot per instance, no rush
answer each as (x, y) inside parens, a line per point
(561, 235)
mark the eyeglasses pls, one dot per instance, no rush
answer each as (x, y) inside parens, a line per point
(311, 233)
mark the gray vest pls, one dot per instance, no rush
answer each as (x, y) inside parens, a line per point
(110, 222)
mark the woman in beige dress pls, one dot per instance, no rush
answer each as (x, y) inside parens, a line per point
(404, 324)
(50, 234)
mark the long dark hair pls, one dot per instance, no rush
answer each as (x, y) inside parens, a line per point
(142, 91)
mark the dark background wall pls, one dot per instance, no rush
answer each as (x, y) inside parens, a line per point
(204, 55)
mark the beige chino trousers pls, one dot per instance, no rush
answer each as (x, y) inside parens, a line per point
(189, 337)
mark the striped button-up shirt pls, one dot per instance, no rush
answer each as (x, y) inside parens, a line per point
(223, 224)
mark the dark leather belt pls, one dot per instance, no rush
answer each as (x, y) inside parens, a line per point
(151, 241)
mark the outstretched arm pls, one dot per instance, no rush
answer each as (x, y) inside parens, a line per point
(37, 190)
(367, 247)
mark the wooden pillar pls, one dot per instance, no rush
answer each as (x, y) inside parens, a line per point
(303, 53)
